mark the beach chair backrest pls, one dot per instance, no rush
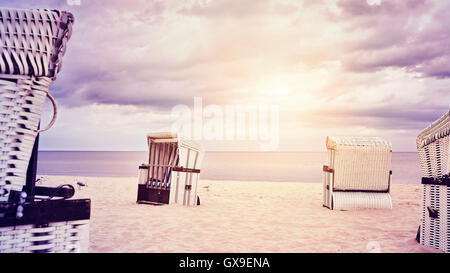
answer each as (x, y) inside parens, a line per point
(33, 41)
(360, 163)
(167, 151)
(433, 145)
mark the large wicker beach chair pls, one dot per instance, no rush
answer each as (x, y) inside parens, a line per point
(33, 43)
(172, 172)
(358, 173)
(433, 147)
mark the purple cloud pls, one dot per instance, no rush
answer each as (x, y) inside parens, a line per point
(405, 34)
(384, 65)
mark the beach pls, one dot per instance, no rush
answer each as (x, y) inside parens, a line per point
(244, 216)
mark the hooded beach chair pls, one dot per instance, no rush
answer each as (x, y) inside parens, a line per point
(358, 174)
(173, 170)
(33, 43)
(433, 147)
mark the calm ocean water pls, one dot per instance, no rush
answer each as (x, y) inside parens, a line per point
(251, 166)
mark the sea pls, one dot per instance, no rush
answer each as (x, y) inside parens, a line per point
(229, 166)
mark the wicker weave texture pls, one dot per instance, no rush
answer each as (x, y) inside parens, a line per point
(33, 41)
(72, 236)
(434, 231)
(360, 163)
(433, 147)
(21, 102)
(436, 130)
(358, 174)
(335, 142)
(361, 200)
(362, 168)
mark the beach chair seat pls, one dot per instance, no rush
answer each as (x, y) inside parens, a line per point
(358, 173)
(33, 42)
(172, 172)
(433, 148)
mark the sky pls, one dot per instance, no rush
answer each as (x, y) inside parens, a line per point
(332, 67)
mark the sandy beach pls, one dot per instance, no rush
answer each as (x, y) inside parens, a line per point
(244, 216)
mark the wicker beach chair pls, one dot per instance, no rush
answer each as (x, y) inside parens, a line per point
(358, 173)
(33, 43)
(172, 172)
(433, 147)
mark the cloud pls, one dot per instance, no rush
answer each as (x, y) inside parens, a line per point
(374, 65)
(410, 35)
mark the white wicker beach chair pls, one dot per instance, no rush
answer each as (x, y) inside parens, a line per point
(358, 173)
(173, 171)
(67, 236)
(33, 43)
(433, 147)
